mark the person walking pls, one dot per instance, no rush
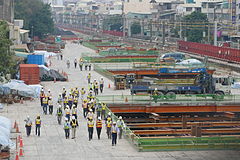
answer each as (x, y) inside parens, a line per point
(120, 126)
(50, 105)
(64, 92)
(66, 128)
(108, 127)
(74, 112)
(42, 95)
(84, 106)
(89, 78)
(75, 101)
(28, 126)
(89, 66)
(83, 92)
(90, 114)
(114, 131)
(59, 114)
(45, 105)
(65, 102)
(75, 62)
(74, 125)
(70, 101)
(101, 85)
(38, 125)
(90, 125)
(61, 56)
(67, 113)
(96, 88)
(99, 109)
(68, 64)
(103, 114)
(60, 99)
(81, 64)
(86, 66)
(99, 127)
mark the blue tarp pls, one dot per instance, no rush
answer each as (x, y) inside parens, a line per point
(5, 128)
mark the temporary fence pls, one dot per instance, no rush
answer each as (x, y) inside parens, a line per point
(103, 72)
(119, 59)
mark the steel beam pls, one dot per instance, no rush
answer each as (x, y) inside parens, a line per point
(186, 131)
(189, 124)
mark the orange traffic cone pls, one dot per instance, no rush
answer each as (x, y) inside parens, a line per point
(21, 143)
(21, 152)
(17, 157)
(15, 124)
(17, 129)
(109, 86)
(126, 100)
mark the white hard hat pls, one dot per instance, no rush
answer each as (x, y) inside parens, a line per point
(114, 122)
(60, 94)
(120, 117)
(99, 118)
(109, 113)
(59, 106)
(42, 89)
(48, 90)
(90, 110)
(64, 87)
(28, 117)
(155, 89)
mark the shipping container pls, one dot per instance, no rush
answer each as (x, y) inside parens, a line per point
(29, 73)
(35, 59)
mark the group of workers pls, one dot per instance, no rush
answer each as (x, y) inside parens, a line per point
(81, 63)
(94, 112)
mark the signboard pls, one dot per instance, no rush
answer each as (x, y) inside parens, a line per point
(58, 39)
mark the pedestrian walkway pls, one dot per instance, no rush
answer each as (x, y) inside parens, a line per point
(52, 145)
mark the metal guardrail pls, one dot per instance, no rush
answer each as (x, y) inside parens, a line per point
(103, 72)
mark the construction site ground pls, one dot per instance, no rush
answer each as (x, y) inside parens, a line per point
(52, 145)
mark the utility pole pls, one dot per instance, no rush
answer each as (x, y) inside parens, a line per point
(163, 33)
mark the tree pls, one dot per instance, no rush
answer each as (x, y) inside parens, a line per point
(6, 55)
(37, 16)
(136, 28)
(194, 25)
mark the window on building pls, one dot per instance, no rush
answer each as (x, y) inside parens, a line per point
(140, 0)
(1, 2)
(188, 9)
(169, 6)
(211, 5)
(198, 9)
(204, 5)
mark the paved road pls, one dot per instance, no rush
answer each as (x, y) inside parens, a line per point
(52, 145)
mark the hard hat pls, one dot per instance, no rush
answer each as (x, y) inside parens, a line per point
(42, 89)
(99, 118)
(155, 89)
(90, 118)
(90, 110)
(28, 117)
(120, 117)
(94, 79)
(84, 100)
(108, 118)
(63, 87)
(60, 94)
(49, 90)
(50, 97)
(114, 122)
(59, 106)
(109, 113)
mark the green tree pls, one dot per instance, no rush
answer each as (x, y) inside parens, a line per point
(37, 16)
(194, 25)
(136, 28)
(6, 55)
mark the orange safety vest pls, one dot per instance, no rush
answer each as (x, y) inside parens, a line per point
(99, 124)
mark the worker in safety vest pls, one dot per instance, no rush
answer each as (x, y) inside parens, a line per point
(101, 85)
(28, 125)
(120, 126)
(76, 92)
(49, 94)
(89, 78)
(45, 105)
(103, 114)
(59, 114)
(64, 92)
(82, 93)
(90, 125)
(108, 127)
(74, 112)
(42, 95)
(50, 105)
(65, 102)
(85, 109)
(81, 64)
(74, 125)
(70, 101)
(155, 92)
(67, 113)
(99, 109)
(38, 125)
(75, 101)
(99, 127)
(66, 128)
(96, 89)
(60, 99)
(114, 131)
(90, 114)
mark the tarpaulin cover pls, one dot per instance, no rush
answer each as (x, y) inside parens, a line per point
(236, 85)
(18, 87)
(45, 53)
(5, 128)
(190, 62)
(49, 75)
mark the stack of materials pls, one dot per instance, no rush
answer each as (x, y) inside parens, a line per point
(29, 73)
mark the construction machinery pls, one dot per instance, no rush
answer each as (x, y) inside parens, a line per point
(119, 82)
